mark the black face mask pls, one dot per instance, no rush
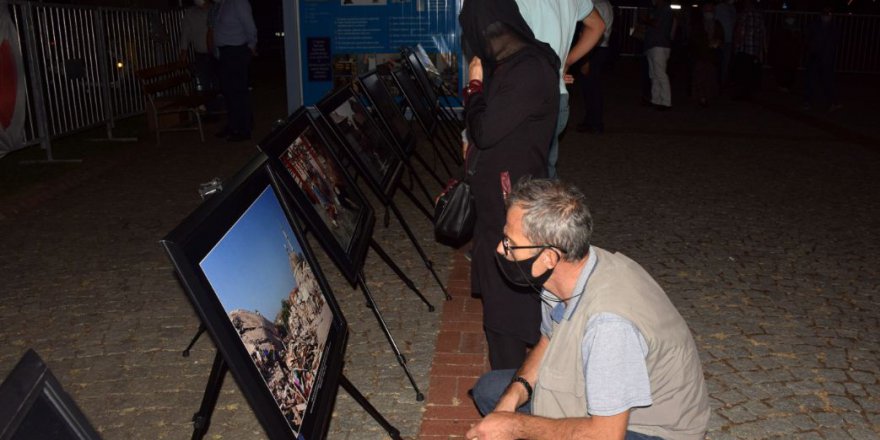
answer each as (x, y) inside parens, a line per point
(520, 272)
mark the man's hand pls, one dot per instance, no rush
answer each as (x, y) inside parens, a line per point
(568, 78)
(475, 70)
(498, 425)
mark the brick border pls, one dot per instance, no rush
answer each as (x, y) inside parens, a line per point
(459, 359)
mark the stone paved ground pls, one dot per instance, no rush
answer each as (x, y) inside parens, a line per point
(761, 226)
(86, 284)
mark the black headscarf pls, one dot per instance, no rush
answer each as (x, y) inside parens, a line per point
(494, 30)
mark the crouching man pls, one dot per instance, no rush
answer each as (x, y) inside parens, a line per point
(616, 360)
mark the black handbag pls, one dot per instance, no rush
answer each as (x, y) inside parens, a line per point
(455, 212)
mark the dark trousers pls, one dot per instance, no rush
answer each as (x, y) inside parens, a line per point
(505, 351)
(489, 388)
(591, 88)
(234, 64)
(820, 82)
(747, 74)
(204, 72)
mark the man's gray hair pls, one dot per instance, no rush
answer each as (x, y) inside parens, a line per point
(555, 214)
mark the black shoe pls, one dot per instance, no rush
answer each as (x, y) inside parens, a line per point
(237, 137)
(662, 108)
(222, 134)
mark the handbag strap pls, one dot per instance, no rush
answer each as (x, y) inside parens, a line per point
(471, 166)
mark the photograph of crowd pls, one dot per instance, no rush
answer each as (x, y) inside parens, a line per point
(308, 161)
(274, 302)
(353, 123)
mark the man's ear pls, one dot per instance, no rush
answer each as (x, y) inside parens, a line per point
(550, 259)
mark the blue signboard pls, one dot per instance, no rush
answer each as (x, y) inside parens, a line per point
(341, 39)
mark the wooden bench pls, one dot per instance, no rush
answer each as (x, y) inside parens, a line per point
(168, 90)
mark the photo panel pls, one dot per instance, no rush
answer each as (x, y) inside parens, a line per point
(324, 193)
(442, 67)
(255, 284)
(414, 98)
(377, 158)
(420, 74)
(374, 89)
(426, 60)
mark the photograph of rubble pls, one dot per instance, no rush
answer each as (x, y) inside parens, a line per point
(308, 162)
(273, 299)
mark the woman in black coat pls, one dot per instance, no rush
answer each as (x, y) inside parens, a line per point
(511, 111)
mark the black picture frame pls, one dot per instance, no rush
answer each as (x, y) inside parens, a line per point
(371, 86)
(413, 96)
(34, 405)
(421, 75)
(230, 255)
(377, 159)
(423, 57)
(333, 206)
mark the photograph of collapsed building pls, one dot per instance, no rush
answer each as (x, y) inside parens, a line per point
(274, 301)
(354, 125)
(308, 162)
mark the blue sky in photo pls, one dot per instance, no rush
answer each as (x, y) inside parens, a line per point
(249, 268)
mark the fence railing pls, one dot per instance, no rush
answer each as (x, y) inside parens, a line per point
(81, 63)
(858, 51)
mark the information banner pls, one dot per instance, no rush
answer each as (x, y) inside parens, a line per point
(341, 39)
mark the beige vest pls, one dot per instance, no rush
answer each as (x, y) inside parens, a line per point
(620, 286)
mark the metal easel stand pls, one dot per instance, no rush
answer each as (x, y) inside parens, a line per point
(202, 418)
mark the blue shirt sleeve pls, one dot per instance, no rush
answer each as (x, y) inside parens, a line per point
(615, 371)
(584, 9)
(246, 17)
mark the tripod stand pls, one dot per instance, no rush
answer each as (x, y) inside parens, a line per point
(202, 418)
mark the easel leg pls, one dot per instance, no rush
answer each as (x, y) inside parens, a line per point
(428, 263)
(397, 270)
(202, 419)
(400, 359)
(368, 407)
(412, 197)
(193, 340)
(414, 178)
(430, 169)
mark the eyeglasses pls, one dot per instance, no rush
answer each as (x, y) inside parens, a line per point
(508, 248)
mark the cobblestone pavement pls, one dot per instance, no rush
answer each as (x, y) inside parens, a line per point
(764, 233)
(86, 284)
(762, 228)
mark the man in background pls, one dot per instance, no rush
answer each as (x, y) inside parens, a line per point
(658, 46)
(725, 13)
(553, 22)
(591, 73)
(194, 33)
(234, 35)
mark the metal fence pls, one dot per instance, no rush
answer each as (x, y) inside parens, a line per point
(858, 51)
(81, 63)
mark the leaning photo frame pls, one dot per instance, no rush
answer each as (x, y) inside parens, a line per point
(259, 292)
(377, 159)
(376, 92)
(327, 198)
(413, 96)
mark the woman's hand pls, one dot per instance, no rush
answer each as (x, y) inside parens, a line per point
(475, 70)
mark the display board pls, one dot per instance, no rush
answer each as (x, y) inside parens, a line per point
(326, 196)
(258, 290)
(374, 89)
(340, 40)
(34, 406)
(376, 158)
